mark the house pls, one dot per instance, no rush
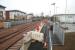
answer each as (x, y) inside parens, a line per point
(68, 18)
(2, 15)
(2, 12)
(29, 16)
(15, 14)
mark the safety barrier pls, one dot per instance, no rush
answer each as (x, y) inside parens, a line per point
(59, 32)
(49, 41)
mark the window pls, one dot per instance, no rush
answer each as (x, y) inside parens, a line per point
(70, 16)
(1, 13)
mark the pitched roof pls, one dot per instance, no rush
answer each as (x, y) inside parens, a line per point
(62, 14)
(16, 11)
(2, 6)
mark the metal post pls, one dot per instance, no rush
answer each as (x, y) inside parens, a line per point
(54, 10)
(65, 13)
(50, 41)
(66, 8)
(49, 37)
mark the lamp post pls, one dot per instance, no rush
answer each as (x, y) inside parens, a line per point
(54, 9)
(54, 6)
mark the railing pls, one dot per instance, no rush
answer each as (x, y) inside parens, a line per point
(49, 41)
(59, 33)
(47, 33)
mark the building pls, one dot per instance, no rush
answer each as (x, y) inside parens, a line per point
(68, 18)
(30, 16)
(15, 14)
(2, 12)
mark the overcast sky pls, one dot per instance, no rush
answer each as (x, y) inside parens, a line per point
(38, 6)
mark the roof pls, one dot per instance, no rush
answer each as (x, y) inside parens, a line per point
(2, 6)
(30, 14)
(62, 14)
(16, 11)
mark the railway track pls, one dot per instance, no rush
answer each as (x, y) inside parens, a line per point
(11, 36)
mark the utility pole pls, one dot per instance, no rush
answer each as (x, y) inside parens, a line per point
(66, 8)
(65, 12)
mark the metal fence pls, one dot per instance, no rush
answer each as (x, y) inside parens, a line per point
(10, 23)
(59, 32)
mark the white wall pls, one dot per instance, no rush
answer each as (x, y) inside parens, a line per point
(29, 16)
(11, 15)
(20, 16)
(68, 18)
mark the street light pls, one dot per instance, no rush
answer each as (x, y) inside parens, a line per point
(54, 9)
(54, 6)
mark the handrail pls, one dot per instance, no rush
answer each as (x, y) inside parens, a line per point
(49, 38)
(49, 41)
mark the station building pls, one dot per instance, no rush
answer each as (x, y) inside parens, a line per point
(68, 18)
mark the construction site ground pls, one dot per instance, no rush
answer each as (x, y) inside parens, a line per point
(69, 43)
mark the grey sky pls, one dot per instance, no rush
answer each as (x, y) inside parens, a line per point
(38, 6)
